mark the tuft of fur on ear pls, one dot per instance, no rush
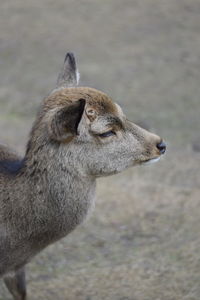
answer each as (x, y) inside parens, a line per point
(69, 75)
(65, 122)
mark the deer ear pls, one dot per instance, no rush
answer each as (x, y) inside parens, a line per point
(69, 75)
(65, 122)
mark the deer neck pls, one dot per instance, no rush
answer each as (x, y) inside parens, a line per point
(62, 195)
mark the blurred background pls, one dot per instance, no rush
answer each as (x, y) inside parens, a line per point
(142, 241)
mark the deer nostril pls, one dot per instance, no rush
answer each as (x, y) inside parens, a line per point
(161, 147)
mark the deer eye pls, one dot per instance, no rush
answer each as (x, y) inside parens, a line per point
(107, 134)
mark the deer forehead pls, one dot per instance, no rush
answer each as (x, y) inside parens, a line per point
(97, 103)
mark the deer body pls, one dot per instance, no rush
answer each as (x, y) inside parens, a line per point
(45, 208)
(79, 134)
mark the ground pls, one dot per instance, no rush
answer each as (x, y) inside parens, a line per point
(142, 240)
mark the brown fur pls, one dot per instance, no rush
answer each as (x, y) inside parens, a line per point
(96, 99)
(7, 154)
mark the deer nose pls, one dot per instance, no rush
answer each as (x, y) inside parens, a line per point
(161, 147)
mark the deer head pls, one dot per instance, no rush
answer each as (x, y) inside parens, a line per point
(91, 127)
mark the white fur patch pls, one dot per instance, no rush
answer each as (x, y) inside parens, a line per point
(151, 161)
(77, 77)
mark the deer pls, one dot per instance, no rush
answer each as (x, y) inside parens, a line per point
(79, 135)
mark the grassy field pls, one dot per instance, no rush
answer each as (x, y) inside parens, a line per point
(142, 240)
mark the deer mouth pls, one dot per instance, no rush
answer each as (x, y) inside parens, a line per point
(151, 161)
